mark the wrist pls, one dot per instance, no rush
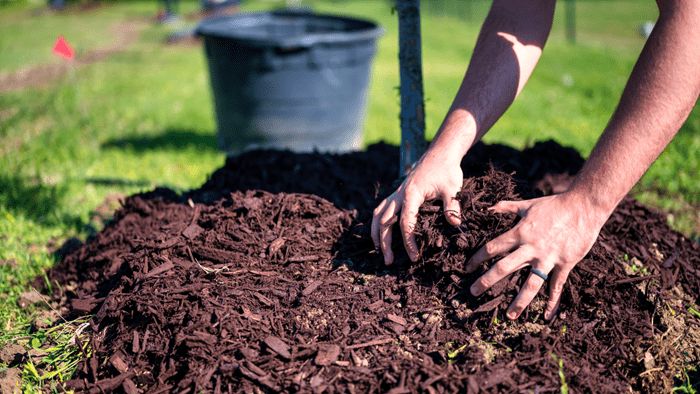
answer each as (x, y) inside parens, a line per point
(597, 205)
(456, 135)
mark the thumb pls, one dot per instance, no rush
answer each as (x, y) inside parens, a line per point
(452, 210)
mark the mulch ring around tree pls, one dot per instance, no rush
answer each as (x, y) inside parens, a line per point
(266, 280)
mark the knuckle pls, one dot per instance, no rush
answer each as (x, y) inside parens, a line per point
(407, 226)
(532, 286)
(481, 284)
(557, 288)
(409, 186)
(490, 248)
(527, 227)
(519, 230)
(501, 270)
(410, 248)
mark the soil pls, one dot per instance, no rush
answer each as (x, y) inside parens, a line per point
(266, 280)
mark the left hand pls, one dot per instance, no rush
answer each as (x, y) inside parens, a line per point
(553, 235)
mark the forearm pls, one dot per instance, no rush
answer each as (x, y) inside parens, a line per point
(661, 92)
(509, 45)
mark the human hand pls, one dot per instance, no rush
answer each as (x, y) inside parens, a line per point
(553, 235)
(434, 176)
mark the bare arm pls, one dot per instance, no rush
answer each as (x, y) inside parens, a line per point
(508, 47)
(506, 52)
(556, 232)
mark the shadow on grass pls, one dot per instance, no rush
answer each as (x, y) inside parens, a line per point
(127, 183)
(119, 182)
(170, 139)
(37, 200)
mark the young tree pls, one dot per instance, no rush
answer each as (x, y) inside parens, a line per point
(413, 143)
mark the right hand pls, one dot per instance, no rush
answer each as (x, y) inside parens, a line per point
(435, 176)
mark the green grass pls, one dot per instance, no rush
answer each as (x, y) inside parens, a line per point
(144, 117)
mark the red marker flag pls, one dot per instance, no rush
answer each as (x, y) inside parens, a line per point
(63, 49)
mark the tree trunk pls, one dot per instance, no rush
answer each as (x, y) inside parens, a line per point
(413, 142)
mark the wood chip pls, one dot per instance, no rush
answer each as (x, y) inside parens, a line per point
(135, 344)
(370, 343)
(118, 363)
(250, 315)
(491, 305)
(312, 287)
(129, 387)
(397, 319)
(327, 354)
(263, 299)
(192, 231)
(300, 259)
(264, 273)
(275, 246)
(278, 346)
(168, 265)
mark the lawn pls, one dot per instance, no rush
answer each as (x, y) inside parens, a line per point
(143, 116)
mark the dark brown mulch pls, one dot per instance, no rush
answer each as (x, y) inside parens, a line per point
(266, 280)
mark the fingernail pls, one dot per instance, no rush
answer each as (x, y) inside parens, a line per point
(512, 315)
(475, 290)
(454, 217)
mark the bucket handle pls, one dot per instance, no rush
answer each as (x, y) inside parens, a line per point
(273, 56)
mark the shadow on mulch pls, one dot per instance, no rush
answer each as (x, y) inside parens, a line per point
(266, 280)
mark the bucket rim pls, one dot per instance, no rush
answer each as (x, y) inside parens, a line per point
(211, 27)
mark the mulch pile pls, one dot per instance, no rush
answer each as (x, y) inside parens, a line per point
(266, 280)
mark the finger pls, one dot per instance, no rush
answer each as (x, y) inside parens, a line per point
(506, 266)
(382, 224)
(409, 216)
(556, 288)
(452, 210)
(502, 244)
(532, 285)
(376, 226)
(385, 234)
(510, 207)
